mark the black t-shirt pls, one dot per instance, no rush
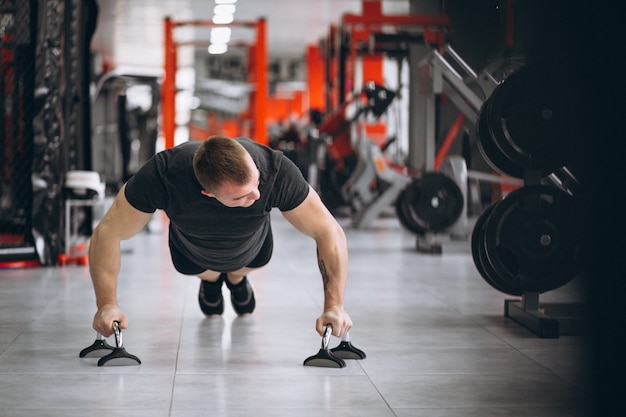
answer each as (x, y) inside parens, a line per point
(201, 228)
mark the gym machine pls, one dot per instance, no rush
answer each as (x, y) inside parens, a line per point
(437, 203)
(375, 183)
(353, 54)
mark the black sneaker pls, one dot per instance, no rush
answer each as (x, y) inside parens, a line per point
(242, 296)
(210, 296)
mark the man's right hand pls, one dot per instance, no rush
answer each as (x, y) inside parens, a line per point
(104, 318)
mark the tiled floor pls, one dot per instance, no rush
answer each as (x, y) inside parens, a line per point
(436, 340)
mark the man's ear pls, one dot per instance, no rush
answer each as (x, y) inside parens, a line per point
(206, 193)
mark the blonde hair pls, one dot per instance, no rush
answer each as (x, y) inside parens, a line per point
(218, 160)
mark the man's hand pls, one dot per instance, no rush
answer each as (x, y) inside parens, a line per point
(104, 318)
(337, 318)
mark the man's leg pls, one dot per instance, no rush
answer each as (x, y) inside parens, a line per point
(236, 277)
(241, 294)
(209, 275)
(210, 295)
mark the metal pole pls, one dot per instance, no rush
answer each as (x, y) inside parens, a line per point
(168, 88)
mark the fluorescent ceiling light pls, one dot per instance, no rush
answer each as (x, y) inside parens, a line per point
(225, 1)
(224, 9)
(218, 48)
(220, 35)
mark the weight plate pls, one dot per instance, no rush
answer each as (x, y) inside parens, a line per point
(481, 260)
(431, 203)
(533, 238)
(402, 212)
(477, 239)
(490, 151)
(531, 120)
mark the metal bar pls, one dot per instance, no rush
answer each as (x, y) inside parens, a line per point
(168, 88)
(460, 61)
(483, 176)
(398, 20)
(460, 102)
(449, 139)
(201, 22)
(206, 42)
(455, 79)
(260, 82)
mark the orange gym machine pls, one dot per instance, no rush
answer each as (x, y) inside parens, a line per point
(257, 76)
(353, 53)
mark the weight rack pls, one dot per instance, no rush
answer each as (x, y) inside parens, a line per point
(529, 243)
(547, 320)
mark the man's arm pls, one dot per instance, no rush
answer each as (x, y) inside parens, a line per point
(313, 219)
(122, 221)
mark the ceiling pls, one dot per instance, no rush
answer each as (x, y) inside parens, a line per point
(130, 33)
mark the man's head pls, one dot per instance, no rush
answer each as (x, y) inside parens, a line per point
(227, 172)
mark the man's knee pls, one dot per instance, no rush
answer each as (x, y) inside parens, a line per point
(236, 276)
(209, 275)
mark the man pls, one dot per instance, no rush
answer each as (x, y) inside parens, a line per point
(218, 195)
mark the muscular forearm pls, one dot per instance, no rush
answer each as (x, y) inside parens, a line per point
(120, 222)
(332, 255)
(313, 219)
(104, 267)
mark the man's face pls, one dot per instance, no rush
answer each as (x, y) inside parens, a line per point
(235, 195)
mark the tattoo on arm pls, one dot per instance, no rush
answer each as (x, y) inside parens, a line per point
(322, 267)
